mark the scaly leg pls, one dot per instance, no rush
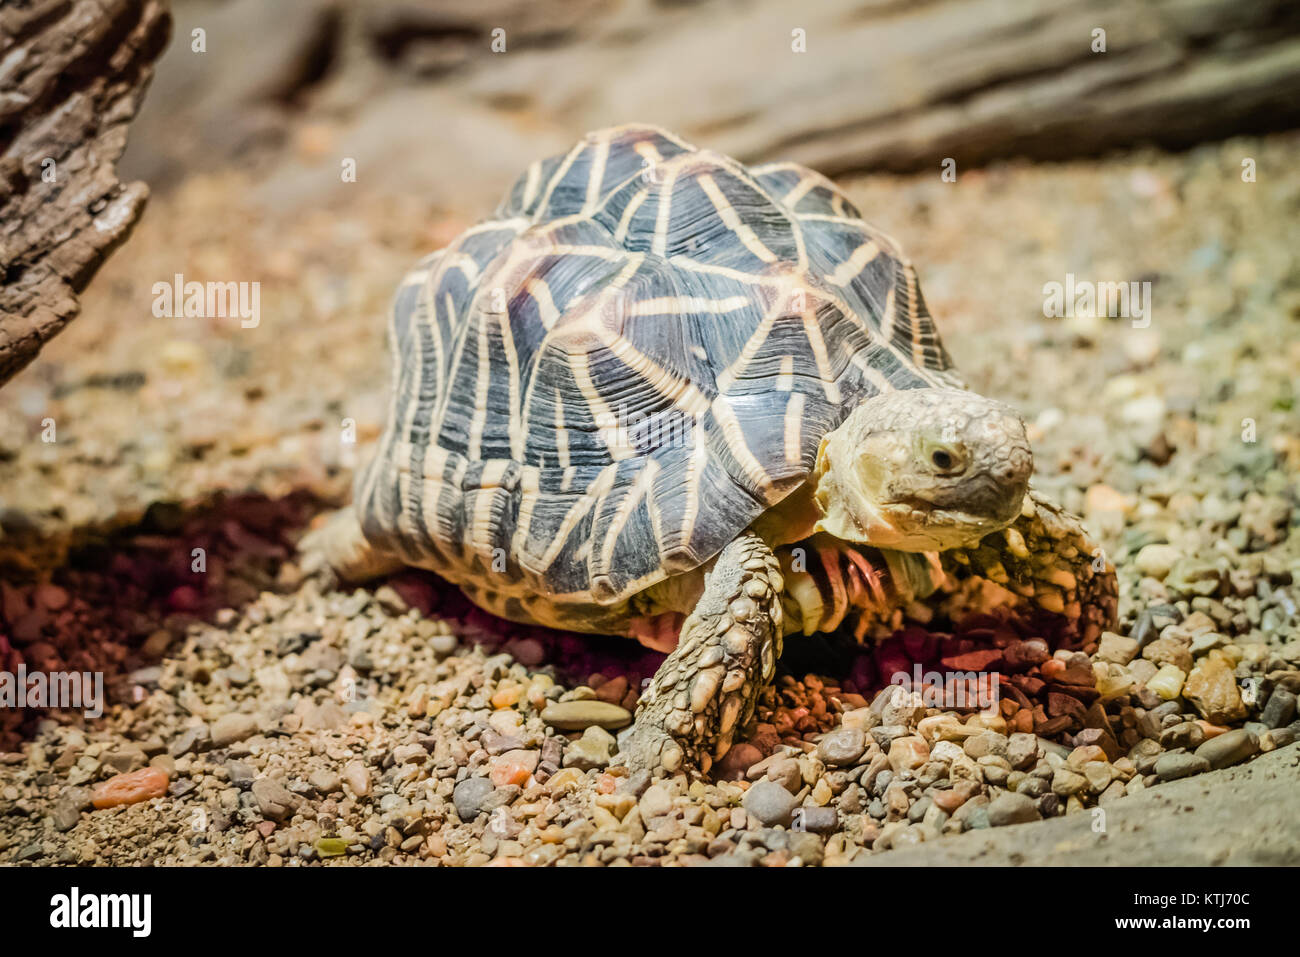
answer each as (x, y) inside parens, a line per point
(707, 688)
(1047, 557)
(339, 547)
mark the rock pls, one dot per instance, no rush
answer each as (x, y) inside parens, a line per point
(1116, 648)
(1102, 498)
(388, 599)
(357, 778)
(613, 690)
(842, 747)
(275, 802)
(188, 741)
(1185, 734)
(1179, 764)
(514, 767)
(885, 734)
(1280, 709)
(67, 809)
(1231, 747)
(326, 716)
(787, 773)
(444, 644)
(818, 820)
(1066, 782)
(1212, 688)
(955, 797)
(415, 753)
(1206, 641)
(579, 715)
(1169, 651)
(241, 774)
(946, 751)
(1021, 655)
(1099, 775)
(1083, 755)
(898, 707)
(1167, 682)
(973, 815)
(130, 788)
(1155, 561)
(908, 753)
(1115, 682)
(987, 743)
(1022, 750)
(1274, 738)
(126, 758)
(593, 750)
(636, 783)
(233, 727)
(325, 781)
(770, 803)
(655, 802)
(1191, 576)
(469, 795)
(738, 760)
(1012, 808)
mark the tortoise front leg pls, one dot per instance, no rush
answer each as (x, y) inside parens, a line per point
(707, 688)
(1048, 558)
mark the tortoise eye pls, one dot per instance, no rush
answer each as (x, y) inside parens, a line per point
(946, 459)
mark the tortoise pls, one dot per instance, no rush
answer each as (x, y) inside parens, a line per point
(663, 395)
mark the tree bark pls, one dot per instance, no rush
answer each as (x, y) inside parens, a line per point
(72, 75)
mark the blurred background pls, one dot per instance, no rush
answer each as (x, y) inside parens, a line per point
(447, 100)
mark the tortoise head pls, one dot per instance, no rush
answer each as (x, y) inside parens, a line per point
(923, 470)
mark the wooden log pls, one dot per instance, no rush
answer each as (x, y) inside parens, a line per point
(843, 86)
(72, 74)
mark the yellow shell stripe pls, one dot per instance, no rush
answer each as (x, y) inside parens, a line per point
(923, 371)
(747, 177)
(597, 174)
(482, 383)
(558, 175)
(405, 525)
(731, 219)
(365, 489)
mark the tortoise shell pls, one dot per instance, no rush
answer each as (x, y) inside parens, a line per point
(637, 356)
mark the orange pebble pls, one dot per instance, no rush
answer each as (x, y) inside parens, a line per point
(507, 697)
(1211, 730)
(1052, 667)
(509, 772)
(606, 783)
(130, 788)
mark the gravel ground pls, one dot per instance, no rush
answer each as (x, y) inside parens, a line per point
(259, 719)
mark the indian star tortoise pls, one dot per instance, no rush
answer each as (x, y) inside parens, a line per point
(664, 395)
